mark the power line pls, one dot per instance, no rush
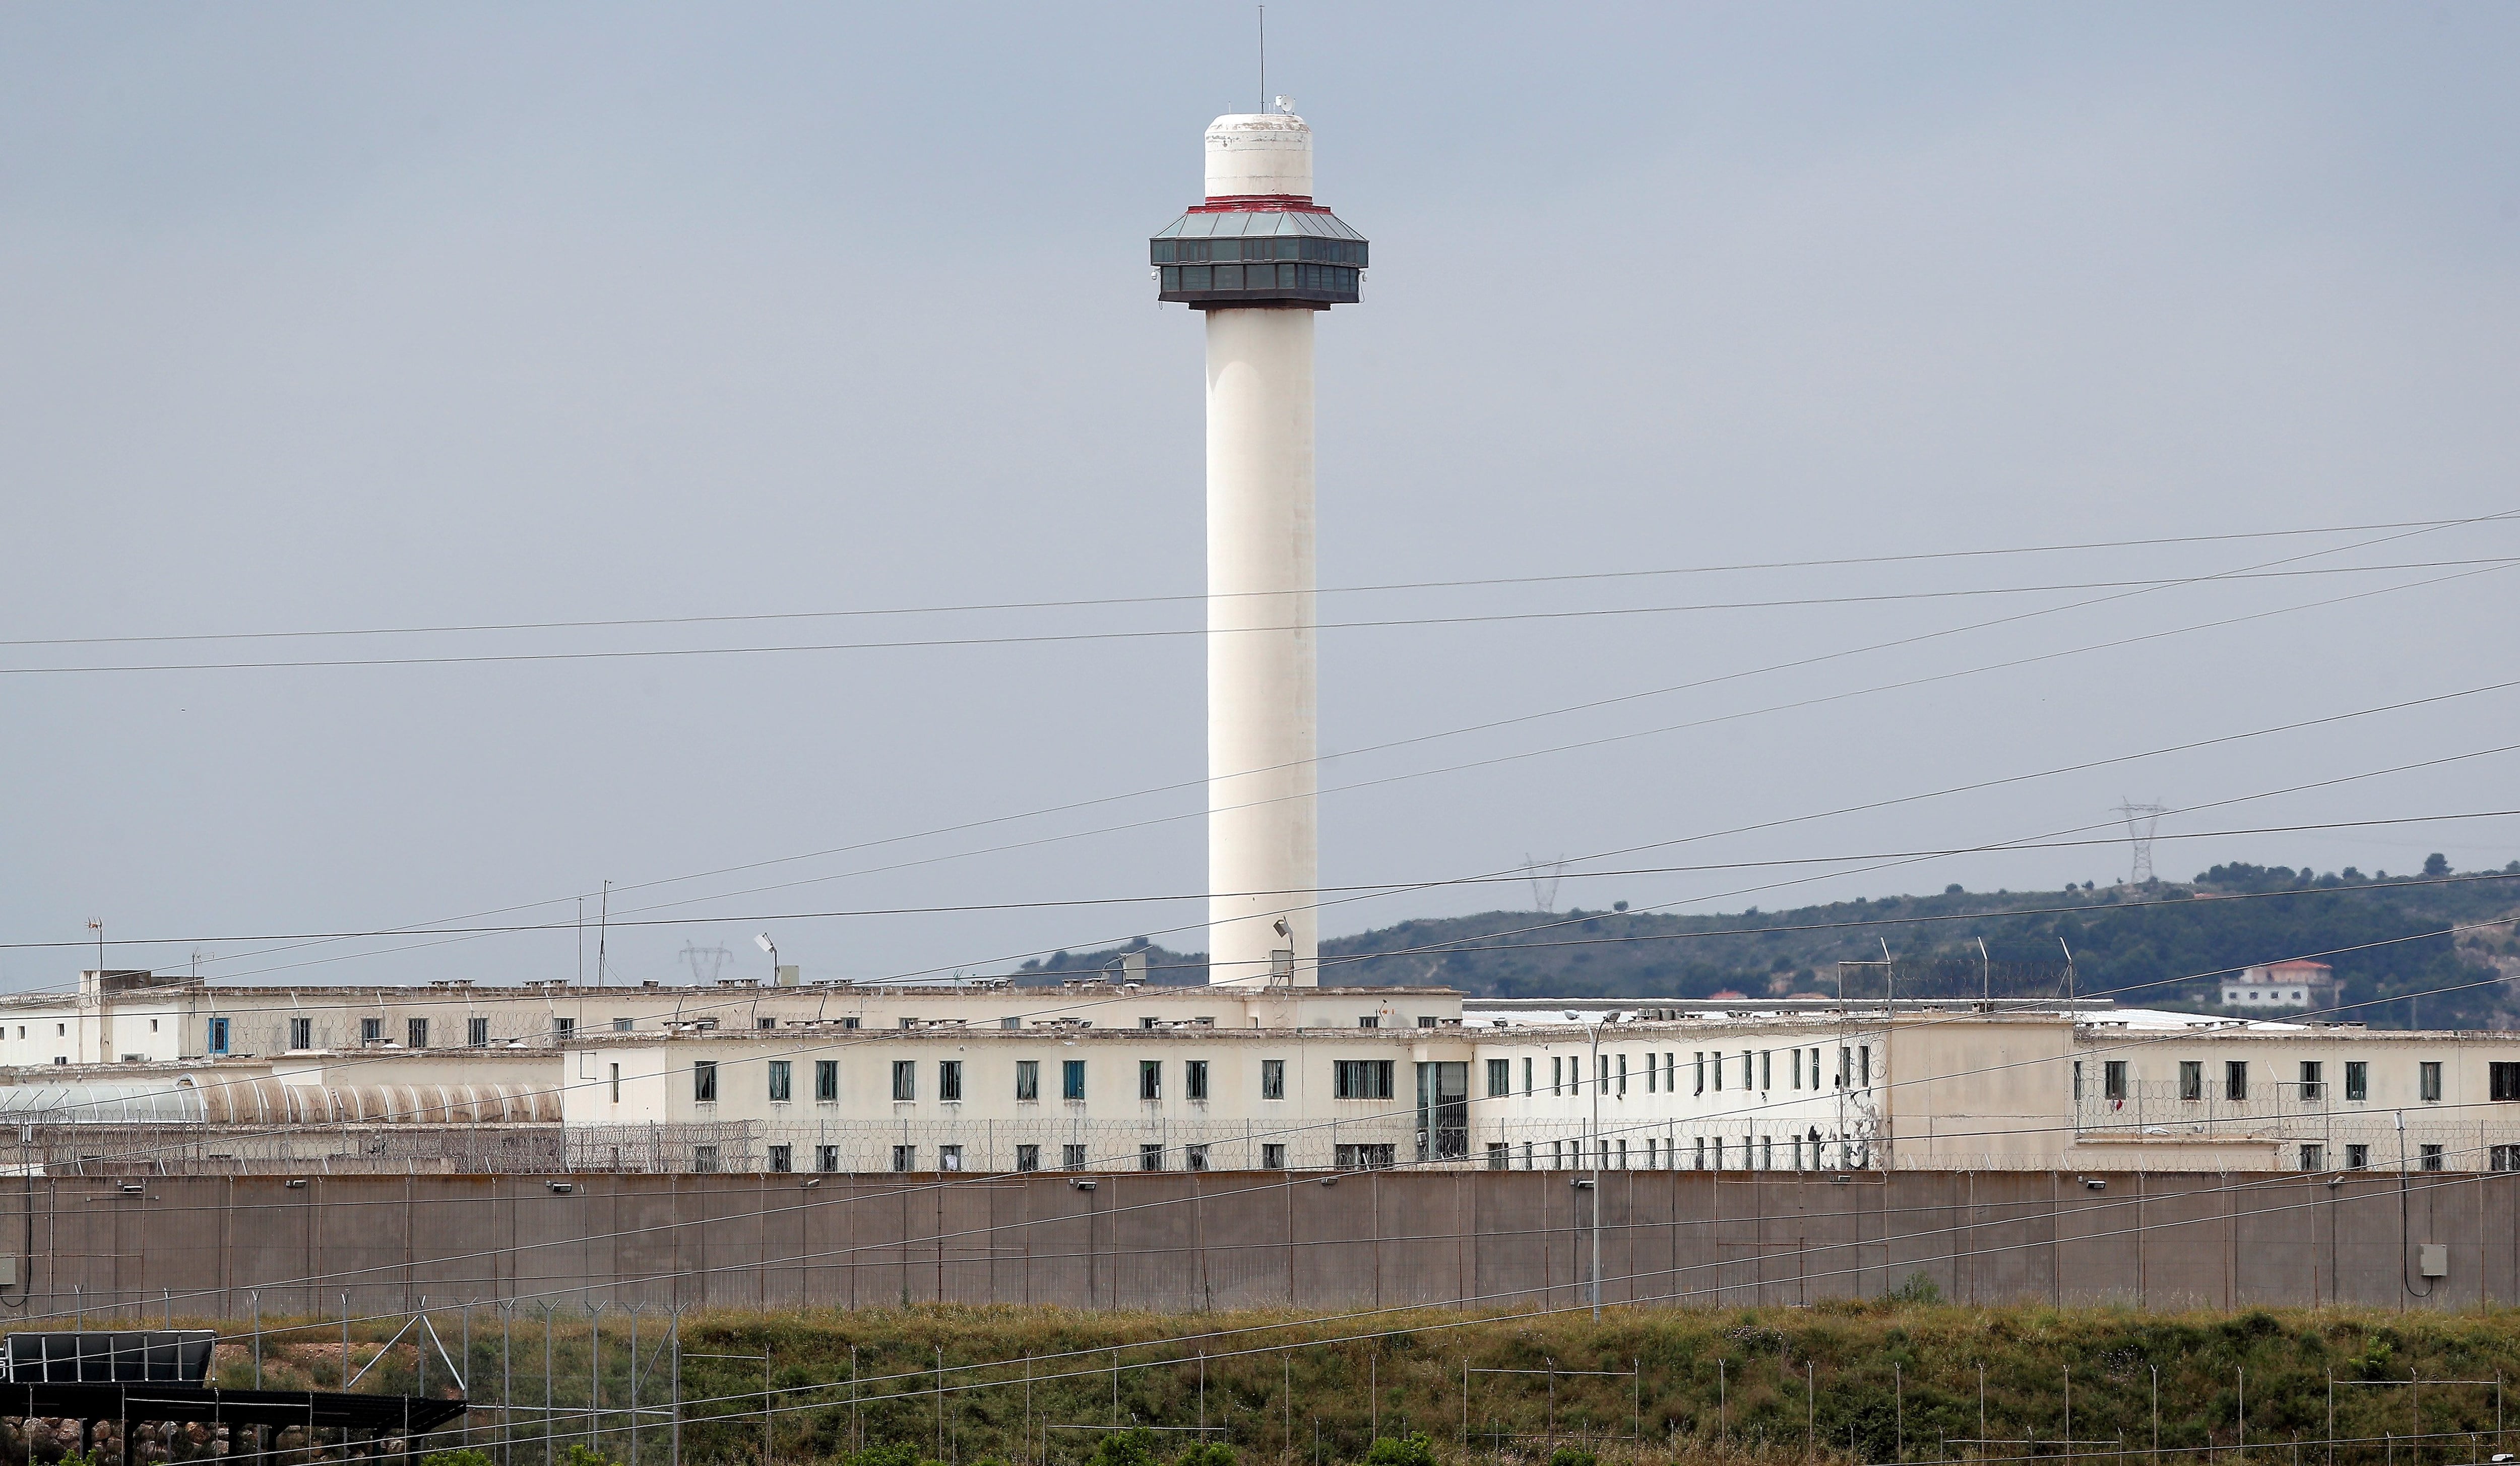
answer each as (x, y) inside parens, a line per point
(1503, 759)
(1493, 724)
(1555, 871)
(471, 658)
(1180, 597)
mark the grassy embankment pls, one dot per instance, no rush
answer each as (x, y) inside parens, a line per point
(1881, 1380)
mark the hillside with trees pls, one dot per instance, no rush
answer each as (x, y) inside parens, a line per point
(2395, 943)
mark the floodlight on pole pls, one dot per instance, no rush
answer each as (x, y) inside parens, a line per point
(763, 941)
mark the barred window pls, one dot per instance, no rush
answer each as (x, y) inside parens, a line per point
(1361, 1079)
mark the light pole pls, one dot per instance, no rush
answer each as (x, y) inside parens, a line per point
(1593, 1032)
(764, 942)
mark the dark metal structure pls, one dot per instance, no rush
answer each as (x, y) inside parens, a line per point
(159, 1375)
(322, 1410)
(119, 1356)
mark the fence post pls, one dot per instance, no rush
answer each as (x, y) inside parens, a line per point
(674, 1345)
(594, 1372)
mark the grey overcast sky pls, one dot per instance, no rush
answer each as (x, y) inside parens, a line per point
(324, 317)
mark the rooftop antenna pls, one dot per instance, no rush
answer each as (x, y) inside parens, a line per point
(1264, 58)
(2140, 821)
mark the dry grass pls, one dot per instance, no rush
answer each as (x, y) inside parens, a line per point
(1870, 1381)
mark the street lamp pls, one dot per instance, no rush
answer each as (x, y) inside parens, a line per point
(1593, 1031)
(764, 942)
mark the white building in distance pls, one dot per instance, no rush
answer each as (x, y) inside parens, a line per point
(1098, 1075)
(2295, 983)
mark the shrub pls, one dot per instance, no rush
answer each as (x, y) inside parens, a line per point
(1572, 1455)
(1918, 1289)
(1130, 1447)
(471, 1457)
(1414, 1450)
(1209, 1453)
(891, 1453)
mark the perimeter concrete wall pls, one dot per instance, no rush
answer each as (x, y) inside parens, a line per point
(1174, 1242)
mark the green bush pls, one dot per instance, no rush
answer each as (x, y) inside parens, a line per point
(891, 1453)
(1414, 1450)
(471, 1458)
(1572, 1455)
(1918, 1289)
(1209, 1453)
(1130, 1447)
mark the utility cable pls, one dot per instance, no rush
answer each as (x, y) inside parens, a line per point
(1206, 596)
(1493, 724)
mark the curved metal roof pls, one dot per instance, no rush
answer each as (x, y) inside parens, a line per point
(265, 1102)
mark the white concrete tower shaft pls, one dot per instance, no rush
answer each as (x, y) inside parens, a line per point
(1263, 691)
(1262, 260)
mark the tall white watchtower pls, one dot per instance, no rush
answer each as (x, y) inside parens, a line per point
(1260, 258)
